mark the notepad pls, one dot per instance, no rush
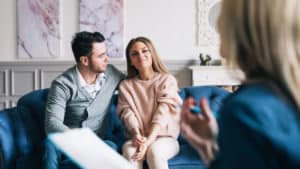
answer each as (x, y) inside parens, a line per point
(87, 150)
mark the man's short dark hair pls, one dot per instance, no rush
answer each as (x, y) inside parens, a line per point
(82, 43)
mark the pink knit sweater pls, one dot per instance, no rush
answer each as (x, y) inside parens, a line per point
(145, 102)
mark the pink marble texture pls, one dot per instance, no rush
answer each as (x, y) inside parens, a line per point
(105, 16)
(38, 28)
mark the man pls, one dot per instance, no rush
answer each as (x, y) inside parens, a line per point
(81, 96)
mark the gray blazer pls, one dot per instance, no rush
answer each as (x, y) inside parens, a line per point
(69, 106)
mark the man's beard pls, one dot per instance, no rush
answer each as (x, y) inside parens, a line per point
(97, 69)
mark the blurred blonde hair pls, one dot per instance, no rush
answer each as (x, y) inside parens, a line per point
(261, 37)
(157, 64)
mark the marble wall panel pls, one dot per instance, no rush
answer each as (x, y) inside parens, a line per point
(105, 16)
(39, 32)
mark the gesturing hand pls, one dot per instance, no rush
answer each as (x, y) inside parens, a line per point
(200, 130)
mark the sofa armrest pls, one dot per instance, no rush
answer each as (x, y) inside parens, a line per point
(35, 103)
(7, 139)
(21, 130)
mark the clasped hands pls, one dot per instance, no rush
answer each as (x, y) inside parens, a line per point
(141, 143)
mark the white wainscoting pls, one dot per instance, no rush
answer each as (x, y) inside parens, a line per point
(20, 77)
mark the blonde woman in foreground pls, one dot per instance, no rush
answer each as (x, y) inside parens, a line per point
(148, 106)
(259, 125)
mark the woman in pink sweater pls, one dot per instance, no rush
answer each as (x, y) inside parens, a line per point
(148, 106)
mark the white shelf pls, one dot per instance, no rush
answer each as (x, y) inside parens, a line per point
(215, 75)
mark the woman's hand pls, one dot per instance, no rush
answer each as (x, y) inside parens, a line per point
(141, 151)
(144, 142)
(138, 140)
(200, 130)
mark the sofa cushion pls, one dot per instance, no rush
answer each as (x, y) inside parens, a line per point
(29, 161)
(214, 95)
(187, 158)
(114, 129)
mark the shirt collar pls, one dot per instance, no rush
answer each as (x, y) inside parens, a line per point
(82, 82)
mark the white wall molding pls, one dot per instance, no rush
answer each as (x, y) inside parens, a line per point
(21, 77)
(4, 82)
(22, 80)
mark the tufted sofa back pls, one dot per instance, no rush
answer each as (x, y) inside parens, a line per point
(22, 127)
(22, 131)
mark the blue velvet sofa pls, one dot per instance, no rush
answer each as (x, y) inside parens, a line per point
(22, 130)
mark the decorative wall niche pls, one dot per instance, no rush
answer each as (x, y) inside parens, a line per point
(207, 15)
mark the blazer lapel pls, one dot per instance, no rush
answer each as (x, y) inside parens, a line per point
(101, 99)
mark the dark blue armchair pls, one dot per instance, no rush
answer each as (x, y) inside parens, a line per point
(22, 130)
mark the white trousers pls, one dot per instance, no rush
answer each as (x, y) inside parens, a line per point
(157, 155)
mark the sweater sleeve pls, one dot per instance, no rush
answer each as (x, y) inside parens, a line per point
(168, 101)
(123, 108)
(55, 108)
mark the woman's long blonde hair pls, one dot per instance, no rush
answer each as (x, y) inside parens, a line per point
(262, 38)
(157, 64)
